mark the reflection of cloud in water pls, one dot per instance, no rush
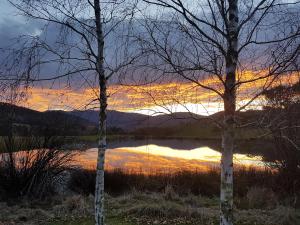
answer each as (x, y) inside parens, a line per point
(155, 158)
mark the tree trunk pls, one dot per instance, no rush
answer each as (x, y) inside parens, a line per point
(99, 191)
(226, 198)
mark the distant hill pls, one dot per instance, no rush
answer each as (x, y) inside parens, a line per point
(132, 121)
(25, 121)
(72, 123)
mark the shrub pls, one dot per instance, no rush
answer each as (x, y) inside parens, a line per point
(257, 198)
(169, 193)
(82, 181)
(261, 198)
(32, 173)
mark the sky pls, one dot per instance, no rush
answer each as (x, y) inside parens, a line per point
(152, 99)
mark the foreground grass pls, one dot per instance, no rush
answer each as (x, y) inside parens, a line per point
(77, 222)
(109, 221)
(90, 221)
(136, 208)
(112, 221)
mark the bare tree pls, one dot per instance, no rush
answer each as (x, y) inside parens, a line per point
(79, 38)
(235, 44)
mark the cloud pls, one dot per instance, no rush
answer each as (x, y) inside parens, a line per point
(174, 97)
(12, 24)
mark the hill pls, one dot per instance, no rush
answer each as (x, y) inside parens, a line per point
(132, 121)
(74, 123)
(23, 121)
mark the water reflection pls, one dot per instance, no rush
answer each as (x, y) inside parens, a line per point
(156, 158)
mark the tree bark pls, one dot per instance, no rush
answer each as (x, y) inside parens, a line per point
(99, 191)
(226, 198)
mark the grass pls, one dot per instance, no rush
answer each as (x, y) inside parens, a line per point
(204, 183)
(76, 222)
(109, 221)
(137, 208)
(89, 221)
(32, 174)
(20, 143)
(116, 221)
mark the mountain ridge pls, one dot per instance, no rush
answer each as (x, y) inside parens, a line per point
(58, 122)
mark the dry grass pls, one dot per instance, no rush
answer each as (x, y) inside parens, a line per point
(258, 198)
(137, 208)
(33, 174)
(155, 208)
(205, 183)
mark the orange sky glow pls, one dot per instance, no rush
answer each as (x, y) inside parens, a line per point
(151, 98)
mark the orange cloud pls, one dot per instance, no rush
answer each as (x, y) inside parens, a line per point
(133, 98)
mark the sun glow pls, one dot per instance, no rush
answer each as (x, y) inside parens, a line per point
(155, 98)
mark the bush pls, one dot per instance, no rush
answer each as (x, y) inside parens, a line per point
(259, 198)
(82, 181)
(32, 173)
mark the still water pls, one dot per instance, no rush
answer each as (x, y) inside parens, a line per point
(163, 156)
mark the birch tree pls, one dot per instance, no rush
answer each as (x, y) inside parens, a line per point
(197, 41)
(79, 49)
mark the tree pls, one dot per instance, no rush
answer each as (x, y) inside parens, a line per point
(221, 46)
(282, 120)
(78, 48)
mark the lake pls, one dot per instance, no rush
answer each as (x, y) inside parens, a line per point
(152, 156)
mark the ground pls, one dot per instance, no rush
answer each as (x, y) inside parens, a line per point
(138, 209)
(112, 221)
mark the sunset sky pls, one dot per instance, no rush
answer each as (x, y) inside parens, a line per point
(157, 97)
(149, 99)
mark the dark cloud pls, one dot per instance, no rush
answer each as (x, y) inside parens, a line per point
(13, 25)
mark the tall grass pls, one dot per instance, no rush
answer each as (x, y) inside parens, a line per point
(205, 183)
(32, 173)
(14, 144)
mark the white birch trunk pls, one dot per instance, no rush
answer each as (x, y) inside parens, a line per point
(226, 198)
(99, 191)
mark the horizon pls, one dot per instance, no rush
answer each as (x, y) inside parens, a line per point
(170, 97)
